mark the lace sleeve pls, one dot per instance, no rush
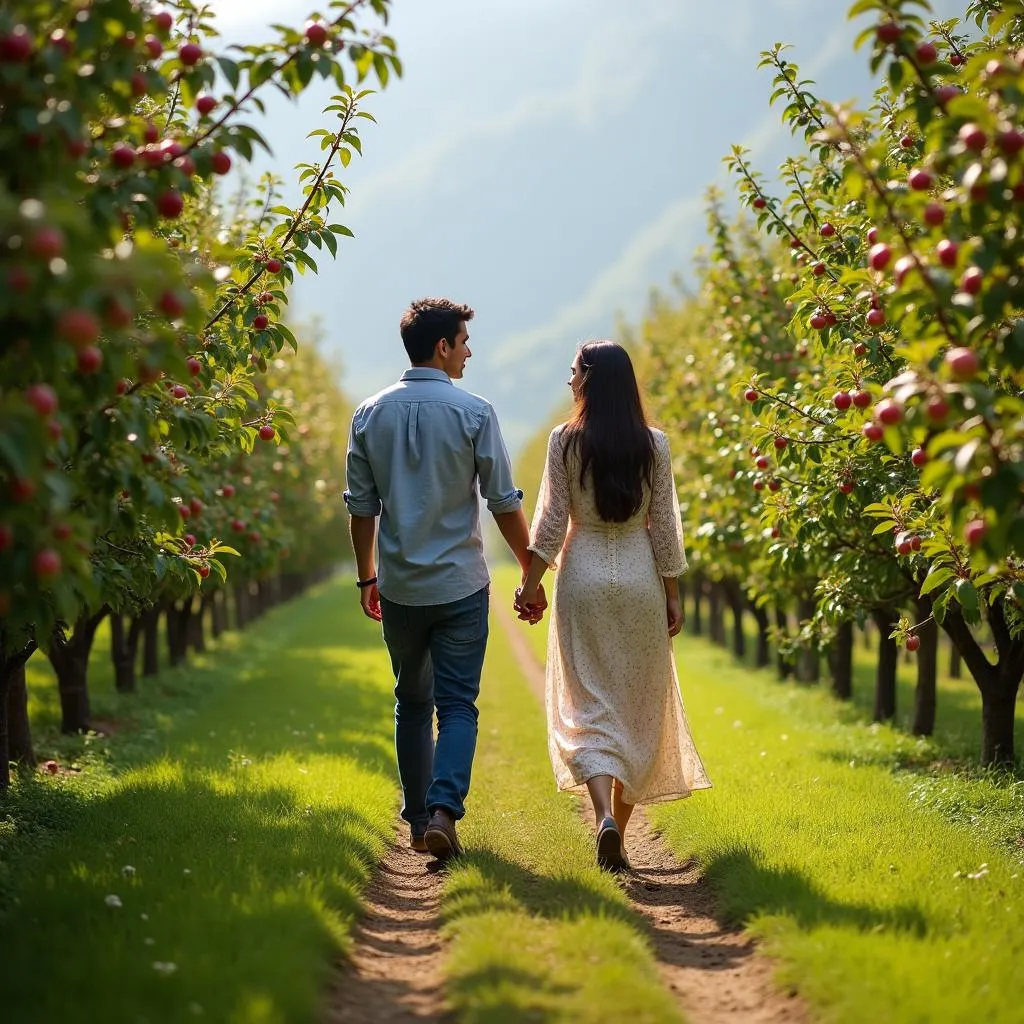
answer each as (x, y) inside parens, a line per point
(551, 520)
(663, 520)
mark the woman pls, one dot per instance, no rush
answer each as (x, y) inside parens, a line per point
(608, 513)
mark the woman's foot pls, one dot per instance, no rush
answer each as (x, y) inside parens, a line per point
(610, 854)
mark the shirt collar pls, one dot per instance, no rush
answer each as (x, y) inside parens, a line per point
(425, 373)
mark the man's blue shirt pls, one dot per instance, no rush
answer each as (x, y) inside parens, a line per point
(415, 453)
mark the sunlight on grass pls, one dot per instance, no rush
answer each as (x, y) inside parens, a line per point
(539, 932)
(218, 865)
(887, 889)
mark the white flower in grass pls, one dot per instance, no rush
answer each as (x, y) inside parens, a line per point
(113, 901)
(246, 761)
(164, 967)
(195, 1009)
(144, 917)
(187, 871)
(737, 724)
(148, 941)
(128, 871)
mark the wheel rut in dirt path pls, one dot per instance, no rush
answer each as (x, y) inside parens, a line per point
(393, 974)
(715, 972)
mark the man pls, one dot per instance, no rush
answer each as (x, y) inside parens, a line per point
(416, 453)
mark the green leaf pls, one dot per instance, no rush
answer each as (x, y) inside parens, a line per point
(935, 579)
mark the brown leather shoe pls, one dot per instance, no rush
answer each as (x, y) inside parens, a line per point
(441, 838)
(418, 843)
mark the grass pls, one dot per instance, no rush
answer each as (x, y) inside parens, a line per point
(235, 825)
(539, 933)
(887, 890)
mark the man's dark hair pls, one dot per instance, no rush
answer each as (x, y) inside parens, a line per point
(426, 322)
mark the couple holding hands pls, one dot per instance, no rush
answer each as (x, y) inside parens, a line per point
(421, 453)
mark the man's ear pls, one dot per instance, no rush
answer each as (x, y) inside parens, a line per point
(442, 348)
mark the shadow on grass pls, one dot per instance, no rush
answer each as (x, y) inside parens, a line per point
(748, 888)
(216, 877)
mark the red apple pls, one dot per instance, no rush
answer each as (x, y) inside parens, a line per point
(153, 47)
(876, 317)
(945, 93)
(919, 457)
(170, 204)
(919, 180)
(78, 327)
(260, 322)
(913, 642)
(818, 269)
(759, 202)
(872, 431)
(846, 486)
(122, 156)
(1010, 141)
(750, 395)
(170, 304)
(186, 165)
(973, 137)
(860, 349)
(316, 33)
(196, 505)
(842, 400)
(273, 266)
(963, 363)
(903, 266)
(228, 490)
(205, 103)
(872, 236)
(90, 359)
(879, 255)
(190, 539)
(781, 442)
(888, 32)
(190, 54)
(828, 230)
(42, 398)
(934, 214)
(138, 83)
(818, 322)
(762, 462)
(164, 21)
(947, 252)
(889, 412)
(194, 366)
(774, 484)
(861, 399)
(907, 141)
(179, 391)
(203, 570)
(51, 766)
(47, 243)
(956, 59)
(16, 46)
(971, 280)
(220, 162)
(927, 53)
(974, 532)
(266, 432)
(237, 525)
(758, 484)
(47, 564)
(937, 410)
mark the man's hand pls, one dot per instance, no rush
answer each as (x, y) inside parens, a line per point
(369, 598)
(530, 606)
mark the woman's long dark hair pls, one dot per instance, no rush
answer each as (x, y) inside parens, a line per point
(609, 431)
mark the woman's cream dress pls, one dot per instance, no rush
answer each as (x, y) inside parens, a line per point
(613, 703)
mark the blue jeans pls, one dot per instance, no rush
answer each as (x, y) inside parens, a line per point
(437, 654)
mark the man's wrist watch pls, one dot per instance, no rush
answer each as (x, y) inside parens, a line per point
(366, 583)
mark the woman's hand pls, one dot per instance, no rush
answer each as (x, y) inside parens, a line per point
(676, 616)
(530, 603)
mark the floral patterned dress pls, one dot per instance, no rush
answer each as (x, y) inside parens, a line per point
(613, 702)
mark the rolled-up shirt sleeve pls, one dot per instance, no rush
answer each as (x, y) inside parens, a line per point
(361, 494)
(493, 466)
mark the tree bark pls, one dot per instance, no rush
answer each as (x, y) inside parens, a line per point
(841, 662)
(885, 672)
(955, 662)
(998, 683)
(178, 624)
(241, 593)
(19, 733)
(762, 655)
(69, 656)
(12, 677)
(150, 621)
(927, 669)
(716, 616)
(737, 605)
(697, 621)
(124, 646)
(808, 662)
(783, 665)
(216, 613)
(197, 626)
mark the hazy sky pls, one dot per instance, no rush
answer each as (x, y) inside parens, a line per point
(544, 161)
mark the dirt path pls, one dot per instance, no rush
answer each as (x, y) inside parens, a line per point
(715, 972)
(394, 972)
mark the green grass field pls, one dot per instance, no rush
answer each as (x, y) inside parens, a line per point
(235, 825)
(886, 893)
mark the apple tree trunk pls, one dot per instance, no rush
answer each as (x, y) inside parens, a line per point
(737, 605)
(885, 672)
(955, 662)
(927, 670)
(150, 624)
(178, 617)
(762, 652)
(69, 656)
(997, 682)
(217, 614)
(840, 661)
(15, 738)
(808, 661)
(19, 733)
(197, 626)
(241, 595)
(697, 621)
(124, 646)
(783, 665)
(716, 614)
